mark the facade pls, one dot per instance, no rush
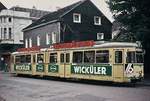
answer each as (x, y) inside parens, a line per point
(78, 22)
(12, 21)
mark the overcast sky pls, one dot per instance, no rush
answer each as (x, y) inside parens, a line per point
(51, 5)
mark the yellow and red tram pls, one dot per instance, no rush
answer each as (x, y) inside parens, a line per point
(109, 61)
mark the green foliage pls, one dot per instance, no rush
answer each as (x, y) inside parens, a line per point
(135, 18)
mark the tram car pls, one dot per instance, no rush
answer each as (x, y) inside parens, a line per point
(109, 61)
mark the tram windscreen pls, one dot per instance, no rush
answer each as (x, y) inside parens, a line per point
(139, 57)
(135, 57)
(131, 57)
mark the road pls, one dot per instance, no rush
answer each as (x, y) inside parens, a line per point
(33, 89)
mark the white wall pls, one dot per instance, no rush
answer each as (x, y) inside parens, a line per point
(19, 21)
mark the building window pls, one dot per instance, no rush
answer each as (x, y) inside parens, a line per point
(76, 18)
(48, 39)
(97, 20)
(53, 37)
(9, 19)
(4, 19)
(38, 40)
(26, 43)
(100, 36)
(10, 33)
(30, 42)
(0, 20)
(5, 33)
(1, 33)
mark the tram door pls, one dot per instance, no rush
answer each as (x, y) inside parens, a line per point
(65, 64)
(118, 65)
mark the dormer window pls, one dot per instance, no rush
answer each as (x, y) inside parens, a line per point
(100, 36)
(77, 18)
(97, 20)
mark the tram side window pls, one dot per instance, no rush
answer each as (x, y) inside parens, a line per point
(102, 56)
(28, 58)
(40, 58)
(63, 59)
(118, 57)
(89, 56)
(130, 57)
(139, 57)
(53, 57)
(23, 59)
(67, 58)
(62, 56)
(77, 57)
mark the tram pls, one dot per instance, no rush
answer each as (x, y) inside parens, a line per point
(103, 61)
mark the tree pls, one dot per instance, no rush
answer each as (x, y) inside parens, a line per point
(135, 18)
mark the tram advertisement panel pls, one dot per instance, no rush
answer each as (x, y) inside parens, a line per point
(22, 67)
(53, 68)
(40, 68)
(105, 70)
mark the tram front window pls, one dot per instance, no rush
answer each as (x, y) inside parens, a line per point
(134, 57)
(17, 59)
(139, 57)
(130, 57)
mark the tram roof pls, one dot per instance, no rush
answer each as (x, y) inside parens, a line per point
(98, 44)
(102, 44)
(115, 44)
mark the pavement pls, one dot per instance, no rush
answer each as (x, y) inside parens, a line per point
(144, 82)
(37, 89)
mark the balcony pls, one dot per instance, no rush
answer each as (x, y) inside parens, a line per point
(6, 41)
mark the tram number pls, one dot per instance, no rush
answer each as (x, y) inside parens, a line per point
(129, 68)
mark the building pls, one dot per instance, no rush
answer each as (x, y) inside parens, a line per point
(12, 21)
(34, 13)
(80, 21)
(2, 6)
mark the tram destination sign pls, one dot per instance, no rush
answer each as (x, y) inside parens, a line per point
(105, 70)
(22, 67)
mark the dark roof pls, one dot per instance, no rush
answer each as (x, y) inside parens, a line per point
(54, 16)
(33, 12)
(2, 6)
(116, 25)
